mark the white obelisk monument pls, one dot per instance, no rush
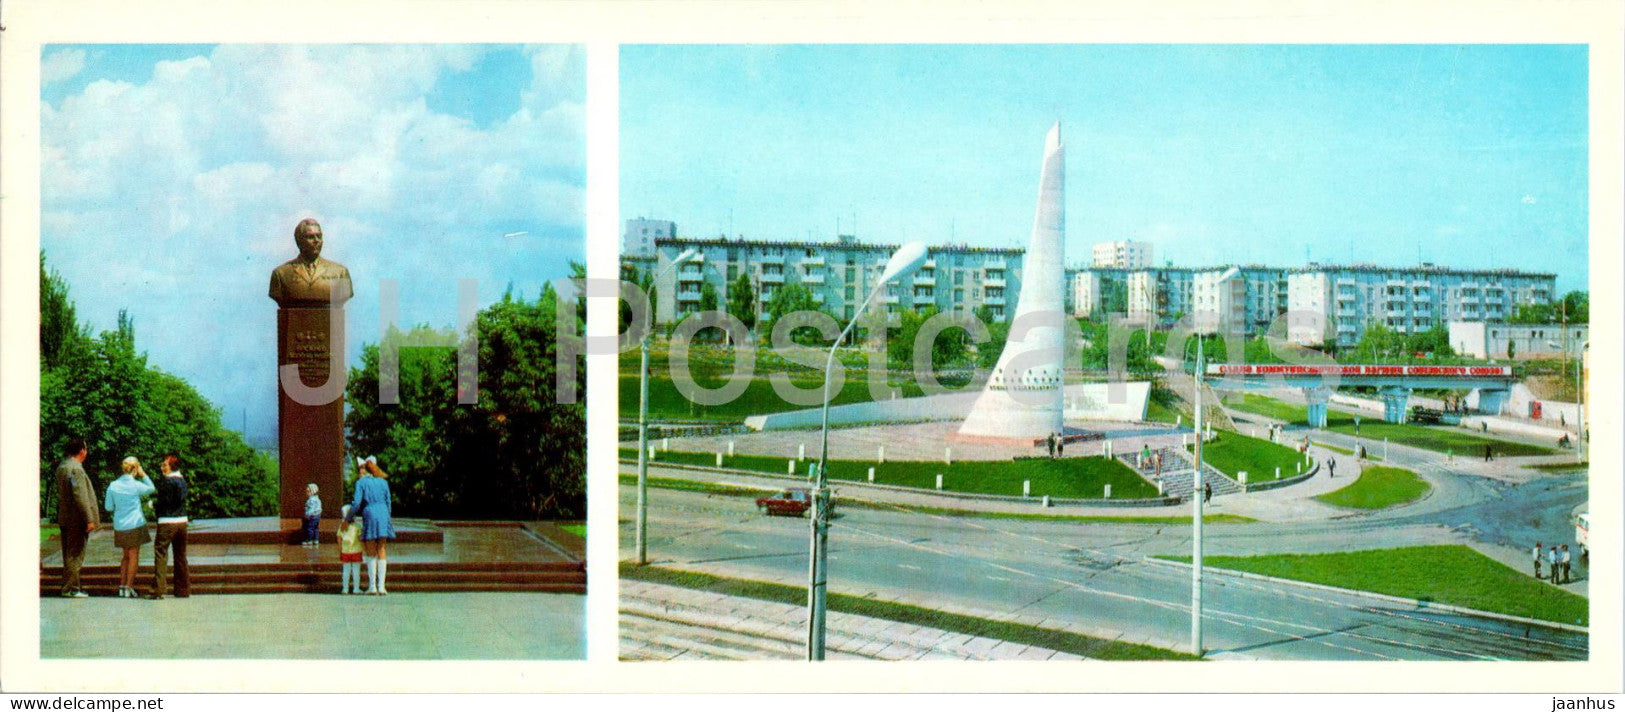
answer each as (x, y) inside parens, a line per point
(1022, 398)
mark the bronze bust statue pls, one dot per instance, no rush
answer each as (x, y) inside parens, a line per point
(309, 280)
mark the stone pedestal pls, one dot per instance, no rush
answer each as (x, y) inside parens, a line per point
(310, 438)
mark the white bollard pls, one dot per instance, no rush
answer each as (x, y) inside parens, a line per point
(1179, 420)
(1108, 491)
(1277, 472)
(1243, 477)
(1159, 488)
(939, 480)
(948, 456)
(665, 444)
(882, 457)
(651, 452)
(801, 452)
(730, 448)
(792, 467)
(719, 459)
(1046, 500)
(1185, 439)
(1026, 488)
(871, 474)
(1300, 467)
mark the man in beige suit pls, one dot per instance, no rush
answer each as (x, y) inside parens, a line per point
(76, 514)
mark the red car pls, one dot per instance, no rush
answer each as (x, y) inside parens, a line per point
(792, 502)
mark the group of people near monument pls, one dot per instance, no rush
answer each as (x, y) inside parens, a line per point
(363, 535)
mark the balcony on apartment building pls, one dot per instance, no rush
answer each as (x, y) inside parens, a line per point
(690, 275)
(816, 260)
(925, 278)
(772, 278)
(994, 301)
(813, 279)
(688, 295)
(771, 259)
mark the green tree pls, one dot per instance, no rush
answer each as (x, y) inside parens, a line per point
(789, 299)
(998, 332)
(742, 301)
(949, 349)
(1577, 307)
(515, 453)
(102, 390)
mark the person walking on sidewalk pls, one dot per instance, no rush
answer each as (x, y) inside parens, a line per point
(1551, 560)
(1565, 562)
(1537, 560)
(76, 514)
(1331, 466)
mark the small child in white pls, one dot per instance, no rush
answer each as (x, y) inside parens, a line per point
(349, 554)
(313, 516)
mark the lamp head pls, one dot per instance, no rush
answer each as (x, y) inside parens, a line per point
(685, 255)
(904, 260)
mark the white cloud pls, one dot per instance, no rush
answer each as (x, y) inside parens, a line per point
(1529, 200)
(61, 64)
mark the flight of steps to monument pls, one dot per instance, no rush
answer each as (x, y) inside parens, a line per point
(1178, 473)
(323, 577)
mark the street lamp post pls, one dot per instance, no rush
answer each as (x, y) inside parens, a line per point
(1196, 517)
(643, 419)
(904, 260)
(1580, 401)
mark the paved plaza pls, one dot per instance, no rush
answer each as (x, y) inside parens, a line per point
(400, 626)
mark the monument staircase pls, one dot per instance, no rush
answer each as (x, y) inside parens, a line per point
(474, 556)
(1179, 473)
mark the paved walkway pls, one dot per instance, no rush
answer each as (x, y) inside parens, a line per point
(660, 622)
(417, 626)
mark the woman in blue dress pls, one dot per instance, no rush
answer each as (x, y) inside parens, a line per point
(372, 505)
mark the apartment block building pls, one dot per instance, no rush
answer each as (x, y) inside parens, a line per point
(1335, 303)
(839, 273)
(1123, 254)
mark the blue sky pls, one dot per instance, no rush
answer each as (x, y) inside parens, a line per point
(1471, 156)
(172, 177)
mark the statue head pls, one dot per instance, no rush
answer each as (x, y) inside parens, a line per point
(308, 236)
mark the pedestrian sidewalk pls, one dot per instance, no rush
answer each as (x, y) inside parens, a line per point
(661, 622)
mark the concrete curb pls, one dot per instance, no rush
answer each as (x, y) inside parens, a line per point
(1417, 603)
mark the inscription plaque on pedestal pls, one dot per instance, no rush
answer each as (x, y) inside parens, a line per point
(310, 293)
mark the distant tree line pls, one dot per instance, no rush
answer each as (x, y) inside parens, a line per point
(513, 454)
(100, 389)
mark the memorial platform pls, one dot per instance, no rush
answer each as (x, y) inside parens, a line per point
(252, 555)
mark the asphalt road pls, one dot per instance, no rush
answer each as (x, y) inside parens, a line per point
(1096, 573)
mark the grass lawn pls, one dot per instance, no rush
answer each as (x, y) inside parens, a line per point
(1267, 407)
(1234, 452)
(1073, 477)
(759, 398)
(579, 530)
(1379, 487)
(1158, 413)
(1449, 574)
(1097, 648)
(1438, 438)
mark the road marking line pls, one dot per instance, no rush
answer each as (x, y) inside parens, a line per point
(909, 566)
